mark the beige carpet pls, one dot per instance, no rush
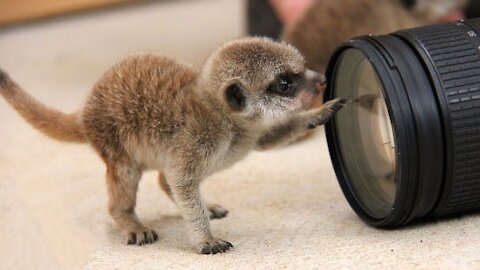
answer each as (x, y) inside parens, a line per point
(286, 209)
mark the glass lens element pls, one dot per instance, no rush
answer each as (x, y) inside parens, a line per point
(364, 134)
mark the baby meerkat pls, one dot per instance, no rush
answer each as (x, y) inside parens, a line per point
(149, 112)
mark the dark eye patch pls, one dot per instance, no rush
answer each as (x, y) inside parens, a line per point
(285, 85)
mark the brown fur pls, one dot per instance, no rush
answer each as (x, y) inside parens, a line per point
(60, 126)
(149, 112)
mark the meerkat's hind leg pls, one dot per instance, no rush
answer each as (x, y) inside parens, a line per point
(122, 183)
(216, 211)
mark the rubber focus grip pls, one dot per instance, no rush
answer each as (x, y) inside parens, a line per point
(454, 51)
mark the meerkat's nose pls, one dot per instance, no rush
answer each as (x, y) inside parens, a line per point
(322, 83)
(318, 80)
(323, 79)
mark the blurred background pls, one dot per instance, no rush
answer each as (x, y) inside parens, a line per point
(52, 196)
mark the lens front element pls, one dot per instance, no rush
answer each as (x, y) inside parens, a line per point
(365, 136)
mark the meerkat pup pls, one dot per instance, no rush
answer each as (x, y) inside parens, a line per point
(149, 112)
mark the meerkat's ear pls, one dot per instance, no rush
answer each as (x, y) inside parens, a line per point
(235, 97)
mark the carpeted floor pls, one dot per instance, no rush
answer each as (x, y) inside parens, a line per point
(286, 209)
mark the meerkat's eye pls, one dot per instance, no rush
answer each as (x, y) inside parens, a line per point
(283, 85)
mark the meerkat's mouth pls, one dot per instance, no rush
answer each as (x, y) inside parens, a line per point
(320, 87)
(307, 98)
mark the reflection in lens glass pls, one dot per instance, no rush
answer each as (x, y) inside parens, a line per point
(364, 134)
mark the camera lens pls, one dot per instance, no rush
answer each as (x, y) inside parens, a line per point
(366, 141)
(407, 145)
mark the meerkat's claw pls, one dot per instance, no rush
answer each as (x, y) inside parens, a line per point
(326, 112)
(338, 101)
(217, 212)
(214, 246)
(335, 105)
(142, 237)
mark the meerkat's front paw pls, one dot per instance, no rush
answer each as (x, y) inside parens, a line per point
(326, 112)
(213, 246)
(142, 237)
(216, 211)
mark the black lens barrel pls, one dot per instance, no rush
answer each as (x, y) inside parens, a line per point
(431, 79)
(452, 52)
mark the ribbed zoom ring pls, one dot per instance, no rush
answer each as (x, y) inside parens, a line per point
(454, 50)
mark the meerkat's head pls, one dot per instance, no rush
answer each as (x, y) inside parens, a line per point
(261, 81)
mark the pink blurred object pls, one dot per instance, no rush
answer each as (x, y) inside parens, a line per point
(456, 15)
(290, 10)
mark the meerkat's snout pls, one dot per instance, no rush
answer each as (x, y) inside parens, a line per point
(322, 84)
(316, 81)
(314, 85)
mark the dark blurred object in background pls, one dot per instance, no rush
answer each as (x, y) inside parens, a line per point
(473, 9)
(262, 20)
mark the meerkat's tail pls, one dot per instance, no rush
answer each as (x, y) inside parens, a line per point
(53, 123)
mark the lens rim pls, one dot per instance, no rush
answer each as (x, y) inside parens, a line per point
(366, 187)
(412, 115)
